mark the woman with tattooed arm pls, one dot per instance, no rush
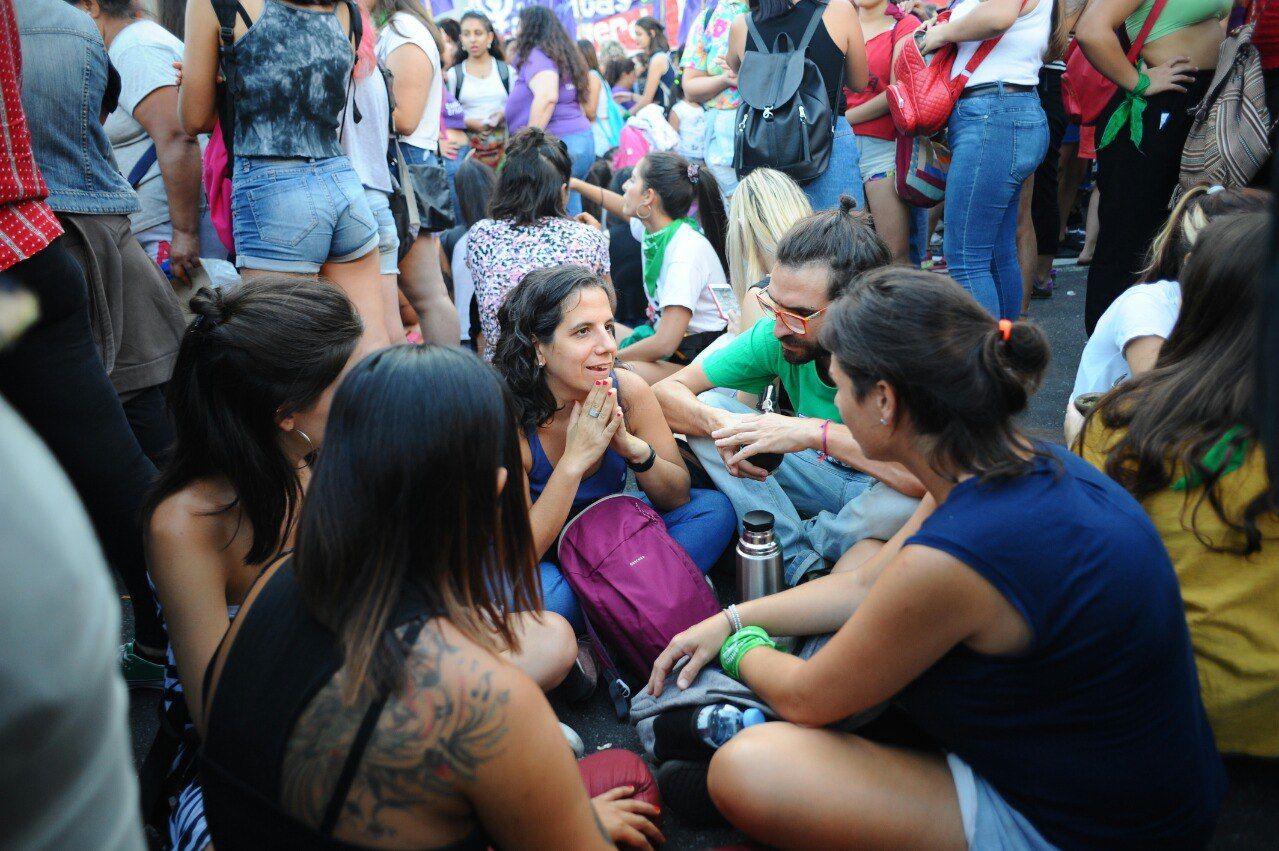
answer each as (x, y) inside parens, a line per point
(359, 700)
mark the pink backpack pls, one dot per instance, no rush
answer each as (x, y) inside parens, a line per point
(217, 186)
(632, 146)
(637, 587)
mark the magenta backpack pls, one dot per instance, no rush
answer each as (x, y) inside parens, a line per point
(217, 185)
(637, 587)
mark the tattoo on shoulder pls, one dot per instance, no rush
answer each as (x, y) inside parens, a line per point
(436, 733)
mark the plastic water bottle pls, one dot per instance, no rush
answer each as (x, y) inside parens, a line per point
(719, 722)
(759, 558)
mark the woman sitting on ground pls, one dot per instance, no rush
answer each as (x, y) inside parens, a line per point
(1182, 440)
(361, 699)
(585, 422)
(1036, 661)
(249, 396)
(683, 260)
(1129, 334)
(528, 226)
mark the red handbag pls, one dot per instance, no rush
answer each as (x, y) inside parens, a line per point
(1085, 91)
(924, 95)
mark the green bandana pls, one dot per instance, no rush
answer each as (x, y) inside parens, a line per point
(1221, 459)
(1130, 112)
(654, 251)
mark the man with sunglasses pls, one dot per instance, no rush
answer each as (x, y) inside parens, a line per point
(826, 496)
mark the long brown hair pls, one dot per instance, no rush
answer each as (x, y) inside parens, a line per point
(1202, 383)
(383, 12)
(1059, 36)
(958, 382)
(405, 506)
(540, 29)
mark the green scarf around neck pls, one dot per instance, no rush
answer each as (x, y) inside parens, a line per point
(1224, 456)
(654, 251)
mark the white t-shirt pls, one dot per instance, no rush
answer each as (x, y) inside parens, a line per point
(463, 287)
(692, 129)
(689, 267)
(402, 29)
(1144, 310)
(480, 97)
(143, 53)
(365, 143)
(1018, 56)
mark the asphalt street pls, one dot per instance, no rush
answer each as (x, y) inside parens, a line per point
(1251, 816)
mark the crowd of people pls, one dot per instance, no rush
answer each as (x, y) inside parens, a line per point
(365, 348)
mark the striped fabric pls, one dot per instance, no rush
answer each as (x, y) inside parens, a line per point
(1229, 140)
(27, 224)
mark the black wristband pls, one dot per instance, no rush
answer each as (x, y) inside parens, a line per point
(645, 465)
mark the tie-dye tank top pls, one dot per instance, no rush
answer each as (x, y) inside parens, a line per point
(293, 67)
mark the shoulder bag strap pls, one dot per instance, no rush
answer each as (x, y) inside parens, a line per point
(504, 74)
(811, 29)
(455, 80)
(1134, 52)
(227, 11)
(989, 45)
(754, 33)
(361, 743)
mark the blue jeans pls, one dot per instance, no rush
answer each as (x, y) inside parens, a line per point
(294, 215)
(581, 150)
(703, 527)
(843, 176)
(820, 509)
(997, 141)
(717, 147)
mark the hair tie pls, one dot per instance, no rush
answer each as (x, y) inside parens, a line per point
(1213, 190)
(1006, 329)
(692, 171)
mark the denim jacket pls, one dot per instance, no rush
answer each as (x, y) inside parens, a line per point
(64, 78)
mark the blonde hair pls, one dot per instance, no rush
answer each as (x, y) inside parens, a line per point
(764, 206)
(1195, 209)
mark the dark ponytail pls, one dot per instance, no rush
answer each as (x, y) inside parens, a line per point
(959, 378)
(253, 354)
(679, 183)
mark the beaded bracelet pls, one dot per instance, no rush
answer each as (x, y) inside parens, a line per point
(738, 644)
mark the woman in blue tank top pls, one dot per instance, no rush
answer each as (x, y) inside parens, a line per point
(1049, 661)
(584, 422)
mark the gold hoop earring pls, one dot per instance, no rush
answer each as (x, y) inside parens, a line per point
(644, 216)
(310, 449)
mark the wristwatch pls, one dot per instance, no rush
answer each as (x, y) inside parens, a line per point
(645, 465)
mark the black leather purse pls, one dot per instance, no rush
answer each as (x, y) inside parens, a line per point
(430, 182)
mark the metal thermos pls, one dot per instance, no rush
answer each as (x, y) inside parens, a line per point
(759, 558)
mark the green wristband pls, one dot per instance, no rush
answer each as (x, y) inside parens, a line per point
(736, 646)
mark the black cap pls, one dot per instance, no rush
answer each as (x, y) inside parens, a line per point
(758, 521)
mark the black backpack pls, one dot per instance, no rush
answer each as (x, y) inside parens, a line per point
(457, 77)
(784, 121)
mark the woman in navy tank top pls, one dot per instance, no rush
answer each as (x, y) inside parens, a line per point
(584, 422)
(1050, 662)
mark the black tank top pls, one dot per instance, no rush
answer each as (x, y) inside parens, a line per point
(280, 659)
(822, 50)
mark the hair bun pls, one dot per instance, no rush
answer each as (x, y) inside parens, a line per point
(847, 204)
(1017, 362)
(207, 307)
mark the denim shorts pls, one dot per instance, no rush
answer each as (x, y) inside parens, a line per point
(295, 215)
(876, 157)
(388, 239)
(989, 820)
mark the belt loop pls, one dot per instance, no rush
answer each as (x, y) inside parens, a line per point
(999, 87)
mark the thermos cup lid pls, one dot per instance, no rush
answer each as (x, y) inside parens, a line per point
(758, 521)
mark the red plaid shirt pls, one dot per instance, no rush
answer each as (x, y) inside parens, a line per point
(27, 224)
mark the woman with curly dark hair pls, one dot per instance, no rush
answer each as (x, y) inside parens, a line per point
(1182, 439)
(551, 89)
(584, 423)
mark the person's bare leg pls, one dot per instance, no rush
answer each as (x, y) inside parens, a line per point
(651, 372)
(793, 787)
(361, 282)
(1090, 232)
(423, 283)
(548, 647)
(391, 308)
(1027, 247)
(892, 219)
(857, 555)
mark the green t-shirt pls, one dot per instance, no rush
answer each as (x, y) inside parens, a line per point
(754, 359)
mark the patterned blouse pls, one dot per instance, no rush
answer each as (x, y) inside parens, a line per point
(500, 254)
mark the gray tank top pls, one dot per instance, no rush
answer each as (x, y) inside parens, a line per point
(290, 86)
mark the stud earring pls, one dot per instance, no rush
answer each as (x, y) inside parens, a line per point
(883, 421)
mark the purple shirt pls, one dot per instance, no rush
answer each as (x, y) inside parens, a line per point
(629, 101)
(567, 117)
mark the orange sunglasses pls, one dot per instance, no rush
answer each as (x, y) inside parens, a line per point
(794, 323)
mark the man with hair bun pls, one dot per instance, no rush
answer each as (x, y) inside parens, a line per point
(825, 496)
